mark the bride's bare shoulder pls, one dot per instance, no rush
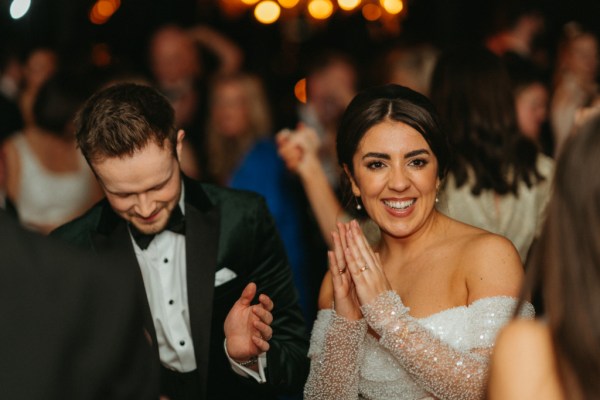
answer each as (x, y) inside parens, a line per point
(490, 263)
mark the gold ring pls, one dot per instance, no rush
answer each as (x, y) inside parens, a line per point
(363, 269)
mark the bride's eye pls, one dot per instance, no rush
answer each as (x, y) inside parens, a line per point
(418, 162)
(375, 165)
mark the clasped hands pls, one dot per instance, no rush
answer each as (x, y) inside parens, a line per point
(248, 326)
(356, 271)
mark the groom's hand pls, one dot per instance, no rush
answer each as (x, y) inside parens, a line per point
(247, 327)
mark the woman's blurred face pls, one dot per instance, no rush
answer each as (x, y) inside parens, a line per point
(583, 56)
(230, 110)
(40, 66)
(395, 175)
(531, 104)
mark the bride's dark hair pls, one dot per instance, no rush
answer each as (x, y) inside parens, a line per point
(565, 264)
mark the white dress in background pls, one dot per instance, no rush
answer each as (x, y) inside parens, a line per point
(518, 218)
(46, 197)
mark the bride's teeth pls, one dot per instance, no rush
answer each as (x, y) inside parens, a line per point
(401, 205)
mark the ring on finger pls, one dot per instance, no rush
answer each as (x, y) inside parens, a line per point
(342, 269)
(364, 268)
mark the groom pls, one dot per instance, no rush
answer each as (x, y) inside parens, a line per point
(203, 254)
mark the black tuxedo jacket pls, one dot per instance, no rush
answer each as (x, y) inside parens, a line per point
(70, 325)
(224, 229)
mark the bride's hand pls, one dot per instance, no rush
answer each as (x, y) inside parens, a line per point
(344, 294)
(364, 265)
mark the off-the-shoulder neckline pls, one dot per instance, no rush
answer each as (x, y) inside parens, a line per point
(470, 305)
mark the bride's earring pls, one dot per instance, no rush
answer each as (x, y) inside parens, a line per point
(358, 206)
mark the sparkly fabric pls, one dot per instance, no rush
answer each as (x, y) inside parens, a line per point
(442, 356)
(334, 373)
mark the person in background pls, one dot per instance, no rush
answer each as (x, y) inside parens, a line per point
(180, 73)
(11, 73)
(416, 315)
(71, 323)
(220, 308)
(532, 95)
(308, 149)
(574, 87)
(519, 24)
(557, 356)
(40, 65)
(244, 156)
(498, 179)
(47, 178)
(411, 66)
(331, 83)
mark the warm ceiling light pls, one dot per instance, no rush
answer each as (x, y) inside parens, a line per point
(96, 17)
(267, 12)
(300, 90)
(392, 6)
(288, 3)
(348, 5)
(320, 9)
(371, 12)
(105, 8)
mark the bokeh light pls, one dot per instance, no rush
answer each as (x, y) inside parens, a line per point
(371, 12)
(300, 90)
(103, 10)
(392, 6)
(101, 55)
(288, 3)
(250, 2)
(320, 9)
(348, 5)
(18, 8)
(267, 12)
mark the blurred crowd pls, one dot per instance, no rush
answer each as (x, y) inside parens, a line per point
(506, 108)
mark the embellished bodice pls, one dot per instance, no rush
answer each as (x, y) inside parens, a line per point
(467, 329)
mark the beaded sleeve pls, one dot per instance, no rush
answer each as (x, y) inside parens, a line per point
(335, 351)
(445, 372)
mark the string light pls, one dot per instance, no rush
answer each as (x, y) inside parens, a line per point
(103, 10)
(270, 11)
(267, 12)
(348, 5)
(18, 8)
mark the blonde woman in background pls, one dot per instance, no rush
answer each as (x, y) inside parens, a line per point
(243, 155)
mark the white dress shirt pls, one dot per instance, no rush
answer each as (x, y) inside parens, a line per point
(163, 267)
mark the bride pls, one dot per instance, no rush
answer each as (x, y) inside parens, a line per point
(417, 316)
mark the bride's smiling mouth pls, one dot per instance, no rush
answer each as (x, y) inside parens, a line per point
(399, 205)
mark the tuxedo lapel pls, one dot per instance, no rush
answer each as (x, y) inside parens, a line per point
(112, 237)
(202, 233)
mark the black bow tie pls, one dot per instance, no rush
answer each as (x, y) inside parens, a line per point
(176, 223)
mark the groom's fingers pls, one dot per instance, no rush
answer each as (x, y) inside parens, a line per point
(248, 294)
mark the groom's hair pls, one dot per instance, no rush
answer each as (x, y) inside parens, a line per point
(122, 119)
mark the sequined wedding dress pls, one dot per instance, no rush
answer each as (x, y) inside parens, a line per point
(443, 356)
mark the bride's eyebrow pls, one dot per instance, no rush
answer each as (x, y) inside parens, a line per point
(414, 153)
(385, 156)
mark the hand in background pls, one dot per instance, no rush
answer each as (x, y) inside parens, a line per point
(247, 327)
(299, 149)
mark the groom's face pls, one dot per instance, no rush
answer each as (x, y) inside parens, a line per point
(143, 188)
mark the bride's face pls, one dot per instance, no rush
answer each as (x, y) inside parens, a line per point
(395, 175)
